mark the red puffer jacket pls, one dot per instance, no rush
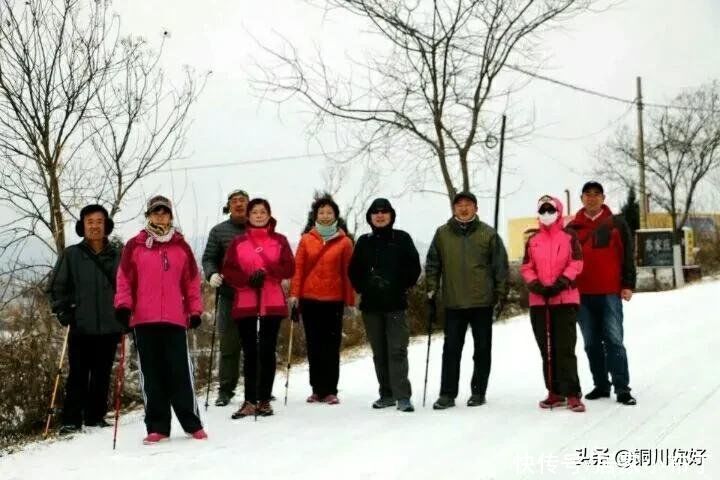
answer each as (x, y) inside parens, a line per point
(550, 253)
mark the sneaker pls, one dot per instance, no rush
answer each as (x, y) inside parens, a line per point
(223, 399)
(154, 438)
(314, 398)
(552, 401)
(330, 399)
(264, 409)
(100, 423)
(443, 402)
(626, 399)
(246, 410)
(69, 428)
(598, 392)
(575, 404)
(404, 405)
(476, 400)
(199, 435)
(384, 402)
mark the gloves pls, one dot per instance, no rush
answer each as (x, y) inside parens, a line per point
(431, 296)
(293, 302)
(66, 317)
(215, 280)
(562, 283)
(294, 313)
(499, 307)
(122, 315)
(431, 309)
(378, 283)
(538, 288)
(195, 321)
(257, 279)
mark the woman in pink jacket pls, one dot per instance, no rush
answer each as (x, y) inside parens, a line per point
(553, 259)
(255, 264)
(158, 296)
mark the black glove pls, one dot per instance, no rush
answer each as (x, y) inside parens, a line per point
(499, 307)
(378, 283)
(257, 279)
(295, 314)
(538, 288)
(562, 283)
(122, 315)
(195, 321)
(431, 310)
(66, 317)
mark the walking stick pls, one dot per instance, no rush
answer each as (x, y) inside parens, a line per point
(51, 412)
(119, 379)
(257, 353)
(548, 342)
(431, 313)
(212, 351)
(294, 317)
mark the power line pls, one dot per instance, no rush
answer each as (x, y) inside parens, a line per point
(248, 162)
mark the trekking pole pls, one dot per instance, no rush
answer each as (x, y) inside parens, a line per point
(257, 353)
(119, 379)
(430, 315)
(212, 351)
(51, 412)
(548, 341)
(294, 317)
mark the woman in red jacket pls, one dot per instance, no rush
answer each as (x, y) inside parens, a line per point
(255, 264)
(158, 296)
(322, 289)
(553, 260)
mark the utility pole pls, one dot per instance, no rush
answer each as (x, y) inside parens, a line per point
(641, 155)
(499, 173)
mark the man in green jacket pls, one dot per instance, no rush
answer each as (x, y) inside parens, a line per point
(468, 257)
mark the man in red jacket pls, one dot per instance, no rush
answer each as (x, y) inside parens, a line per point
(608, 277)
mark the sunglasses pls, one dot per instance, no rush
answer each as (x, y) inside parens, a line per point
(547, 209)
(380, 210)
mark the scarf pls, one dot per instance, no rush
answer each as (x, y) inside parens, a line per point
(157, 233)
(327, 231)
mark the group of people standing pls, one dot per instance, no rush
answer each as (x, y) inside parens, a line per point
(152, 289)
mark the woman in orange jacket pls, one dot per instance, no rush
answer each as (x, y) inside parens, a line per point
(321, 288)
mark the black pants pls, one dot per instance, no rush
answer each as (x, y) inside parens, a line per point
(86, 389)
(456, 324)
(247, 329)
(230, 352)
(563, 336)
(389, 335)
(166, 378)
(323, 332)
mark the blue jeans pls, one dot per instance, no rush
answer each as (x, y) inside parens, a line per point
(601, 323)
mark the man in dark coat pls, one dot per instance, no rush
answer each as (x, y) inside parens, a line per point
(384, 265)
(82, 289)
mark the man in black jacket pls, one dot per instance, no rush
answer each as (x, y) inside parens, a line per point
(218, 241)
(82, 290)
(384, 265)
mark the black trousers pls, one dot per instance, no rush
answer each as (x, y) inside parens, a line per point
(456, 324)
(247, 329)
(86, 389)
(563, 336)
(230, 352)
(166, 378)
(323, 332)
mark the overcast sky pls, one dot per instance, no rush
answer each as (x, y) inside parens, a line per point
(672, 44)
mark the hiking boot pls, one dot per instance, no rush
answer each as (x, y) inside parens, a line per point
(199, 435)
(330, 399)
(314, 398)
(443, 402)
(69, 428)
(575, 404)
(384, 402)
(223, 399)
(154, 438)
(598, 392)
(246, 410)
(626, 399)
(552, 401)
(100, 423)
(404, 405)
(476, 400)
(264, 409)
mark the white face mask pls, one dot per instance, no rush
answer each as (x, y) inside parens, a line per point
(548, 219)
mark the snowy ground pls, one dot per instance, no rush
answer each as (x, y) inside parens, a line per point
(673, 342)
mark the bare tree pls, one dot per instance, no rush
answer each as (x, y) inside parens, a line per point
(84, 114)
(337, 179)
(426, 94)
(682, 147)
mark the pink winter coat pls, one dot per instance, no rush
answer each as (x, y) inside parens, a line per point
(258, 249)
(550, 253)
(160, 284)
